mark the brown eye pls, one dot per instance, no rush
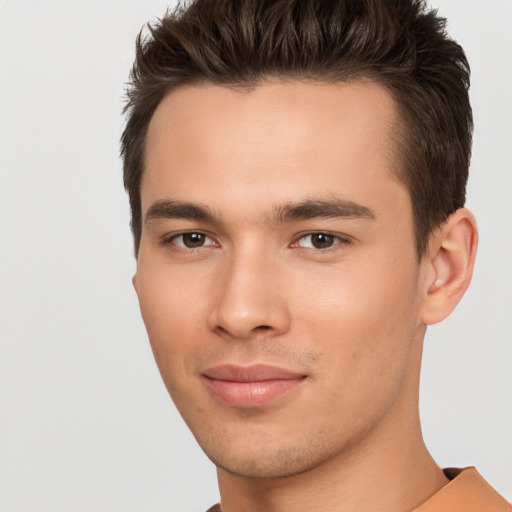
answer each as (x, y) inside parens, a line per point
(322, 240)
(193, 240)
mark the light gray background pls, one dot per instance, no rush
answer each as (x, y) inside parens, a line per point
(85, 423)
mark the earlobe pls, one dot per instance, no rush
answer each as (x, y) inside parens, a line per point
(451, 260)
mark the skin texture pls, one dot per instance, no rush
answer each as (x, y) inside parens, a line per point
(348, 317)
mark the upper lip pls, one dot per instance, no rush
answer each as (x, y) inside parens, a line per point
(253, 373)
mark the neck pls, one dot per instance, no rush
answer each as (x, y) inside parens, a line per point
(398, 479)
(390, 469)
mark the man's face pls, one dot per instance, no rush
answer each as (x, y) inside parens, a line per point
(277, 272)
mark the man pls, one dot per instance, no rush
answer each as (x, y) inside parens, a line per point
(297, 172)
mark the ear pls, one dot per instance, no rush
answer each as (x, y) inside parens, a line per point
(134, 281)
(449, 266)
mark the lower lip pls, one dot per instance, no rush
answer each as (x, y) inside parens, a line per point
(251, 394)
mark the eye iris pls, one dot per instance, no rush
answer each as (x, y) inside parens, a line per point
(322, 240)
(192, 240)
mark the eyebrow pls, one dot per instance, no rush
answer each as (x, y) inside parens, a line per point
(290, 212)
(321, 209)
(172, 209)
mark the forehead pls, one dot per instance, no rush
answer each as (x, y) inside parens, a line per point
(274, 143)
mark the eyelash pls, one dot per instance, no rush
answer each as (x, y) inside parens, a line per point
(336, 241)
(171, 240)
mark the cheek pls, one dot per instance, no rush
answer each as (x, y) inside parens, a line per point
(365, 319)
(173, 315)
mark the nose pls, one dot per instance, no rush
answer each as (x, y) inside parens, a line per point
(251, 300)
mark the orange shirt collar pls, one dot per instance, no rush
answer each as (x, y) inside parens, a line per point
(467, 492)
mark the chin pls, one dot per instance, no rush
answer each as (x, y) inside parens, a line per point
(262, 462)
(280, 465)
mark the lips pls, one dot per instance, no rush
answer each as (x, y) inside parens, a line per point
(250, 386)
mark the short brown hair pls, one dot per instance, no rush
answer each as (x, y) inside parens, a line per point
(399, 44)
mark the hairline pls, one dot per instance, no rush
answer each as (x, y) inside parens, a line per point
(399, 140)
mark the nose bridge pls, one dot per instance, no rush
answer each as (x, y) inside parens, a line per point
(249, 297)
